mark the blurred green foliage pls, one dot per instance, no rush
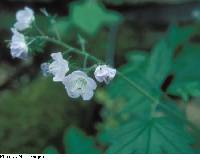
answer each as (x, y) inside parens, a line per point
(76, 142)
(144, 125)
(186, 77)
(158, 135)
(90, 16)
(31, 116)
(50, 150)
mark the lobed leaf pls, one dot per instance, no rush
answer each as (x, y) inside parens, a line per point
(157, 135)
(186, 80)
(91, 15)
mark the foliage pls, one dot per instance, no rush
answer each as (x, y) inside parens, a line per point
(76, 142)
(51, 150)
(80, 14)
(80, 17)
(31, 116)
(152, 122)
(186, 78)
(156, 135)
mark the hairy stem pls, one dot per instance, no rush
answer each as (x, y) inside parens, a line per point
(86, 57)
(66, 46)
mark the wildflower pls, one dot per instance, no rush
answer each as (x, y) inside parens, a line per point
(79, 84)
(18, 45)
(104, 73)
(59, 67)
(24, 19)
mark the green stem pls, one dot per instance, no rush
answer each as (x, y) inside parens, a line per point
(136, 86)
(86, 57)
(85, 61)
(30, 42)
(66, 46)
(57, 33)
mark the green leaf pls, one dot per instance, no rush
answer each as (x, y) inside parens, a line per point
(76, 142)
(186, 80)
(147, 121)
(91, 15)
(159, 64)
(178, 36)
(140, 105)
(157, 135)
(50, 150)
(138, 59)
(161, 58)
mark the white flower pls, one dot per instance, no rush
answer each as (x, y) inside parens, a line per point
(104, 73)
(24, 19)
(18, 45)
(79, 84)
(59, 67)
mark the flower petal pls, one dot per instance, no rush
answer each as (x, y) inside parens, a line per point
(87, 95)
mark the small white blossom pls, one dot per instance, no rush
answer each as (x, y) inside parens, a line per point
(24, 19)
(59, 67)
(104, 73)
(79, 84)
(18, 46)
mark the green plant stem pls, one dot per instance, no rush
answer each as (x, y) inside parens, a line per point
(57, 33)
(29, 43)
(85, 61)
(136, 86)
(66, 46)
(85, 58)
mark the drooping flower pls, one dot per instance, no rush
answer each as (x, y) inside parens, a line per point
(18, 46)
(59, 67)
(79, 84)
(104, 73)
(24, 19)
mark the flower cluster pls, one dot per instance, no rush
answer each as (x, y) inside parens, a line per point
(19, 47)
(78, 83)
